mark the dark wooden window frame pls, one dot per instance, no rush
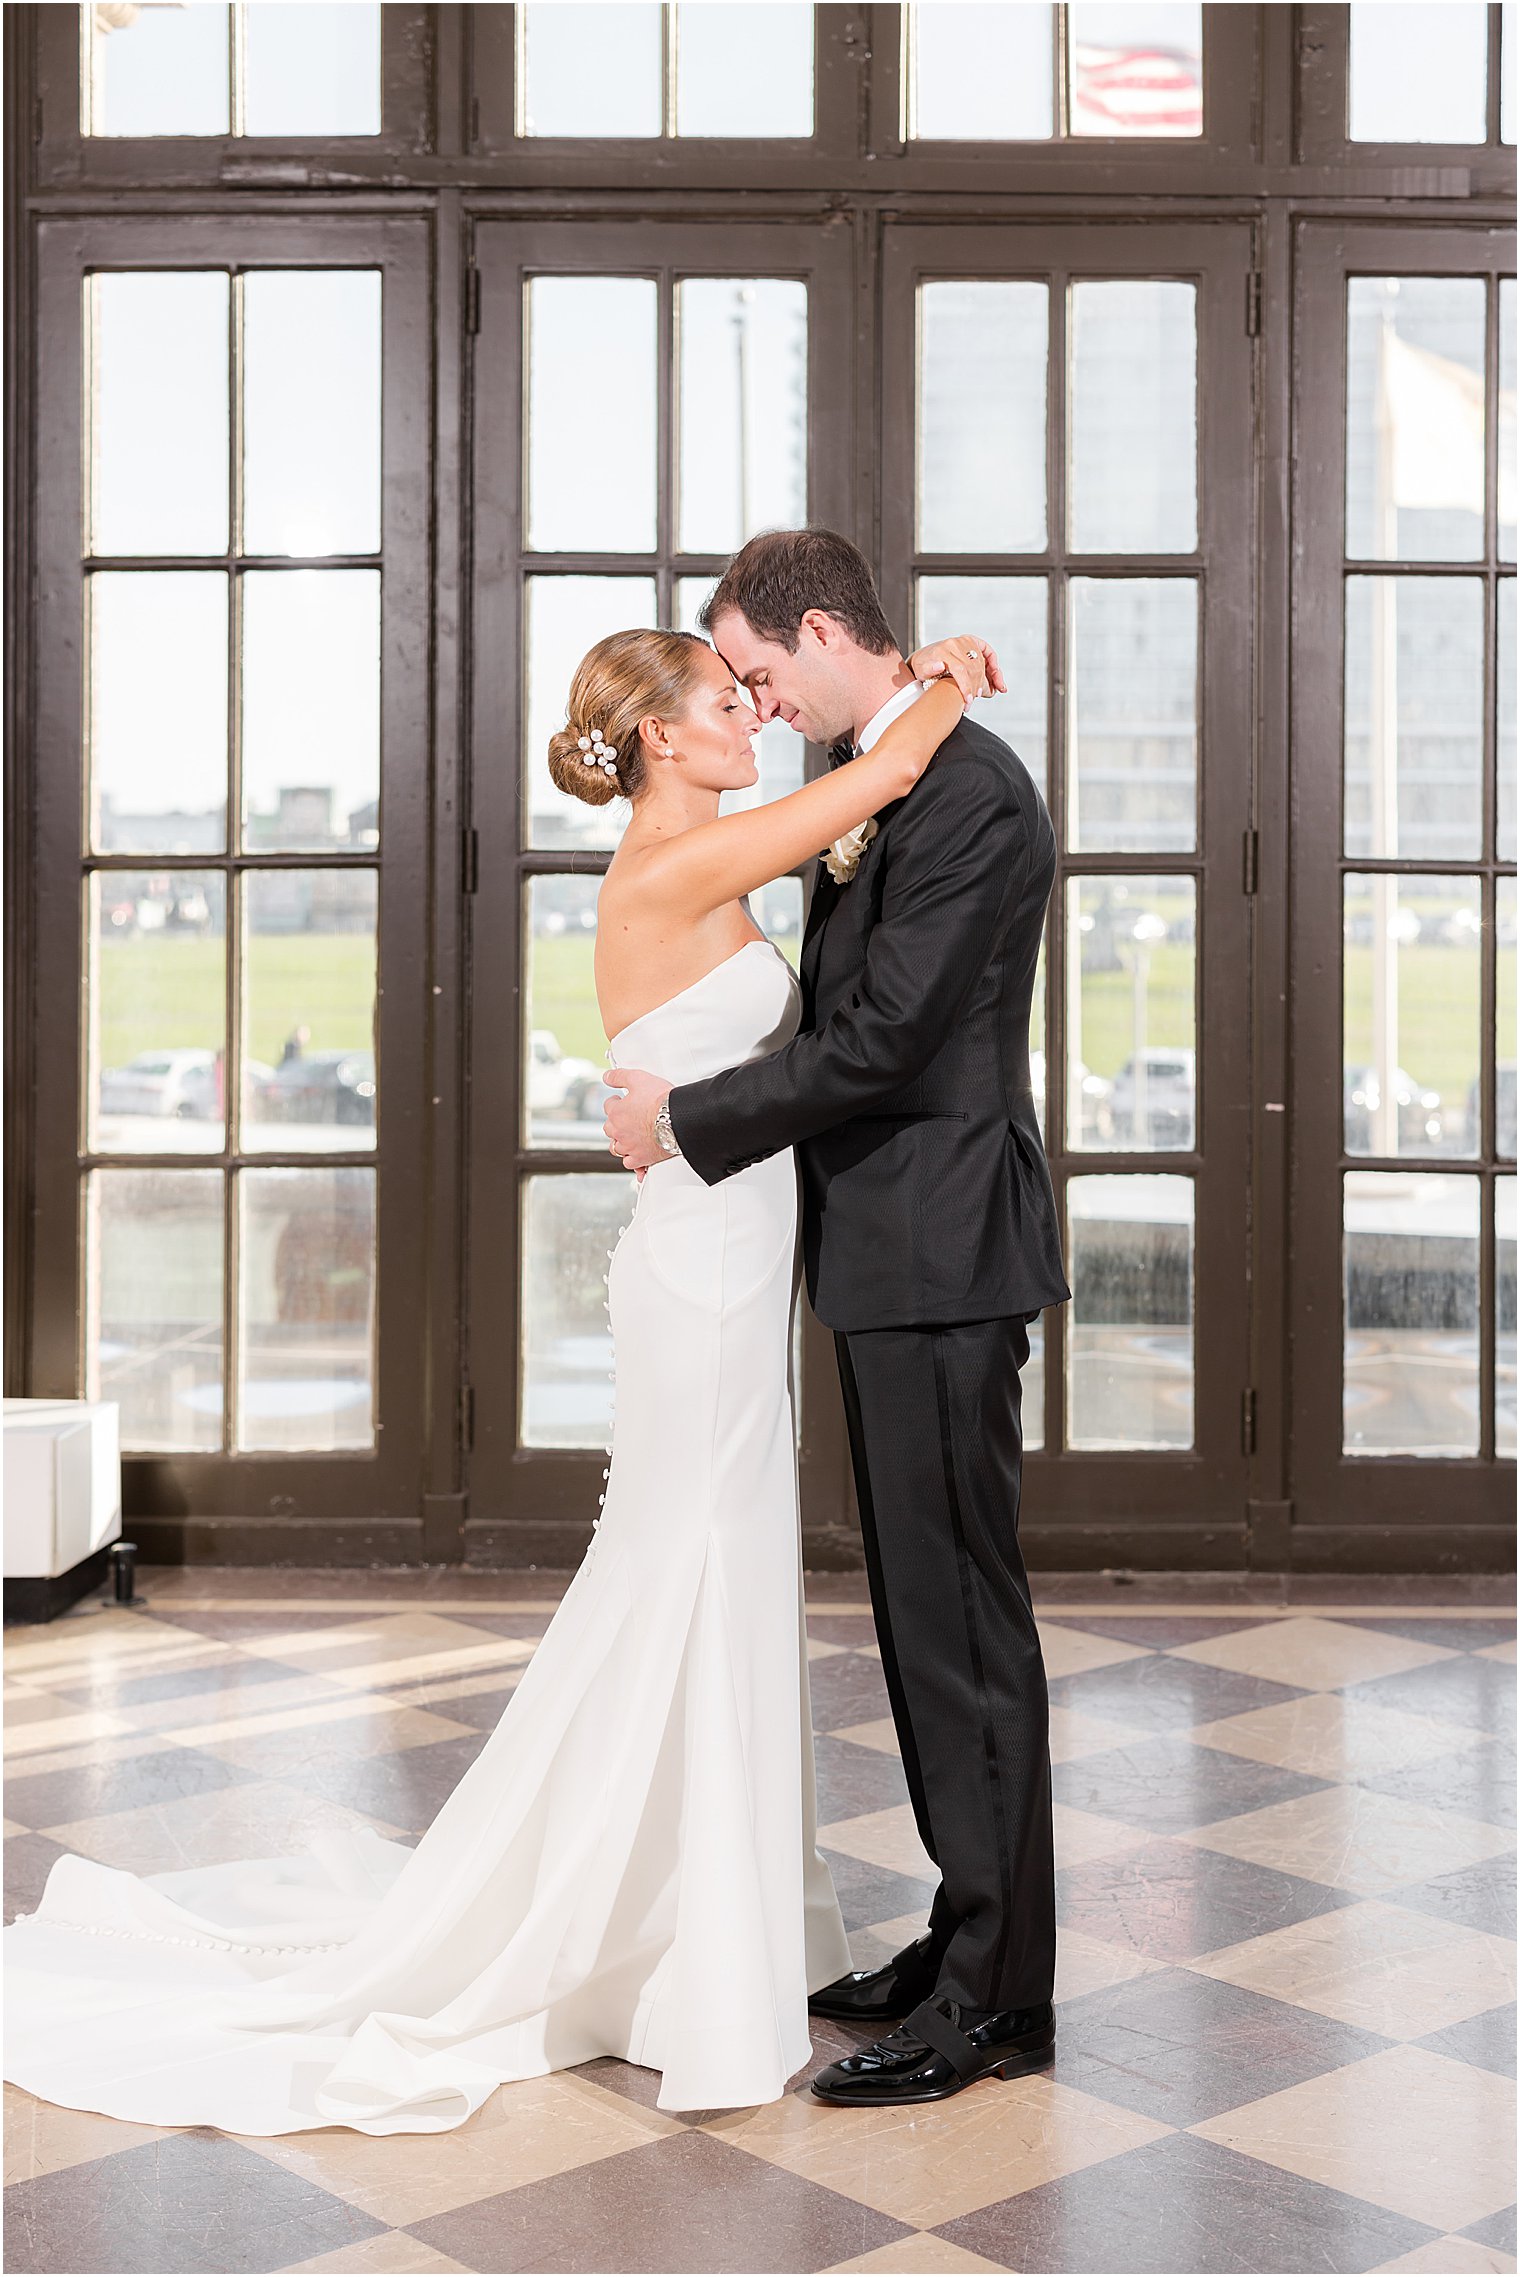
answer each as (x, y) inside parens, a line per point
(384, 1484)
(1273, 157)
(1324, 67)
(1337, 1496)
(562, 1485)
(1169, 1493)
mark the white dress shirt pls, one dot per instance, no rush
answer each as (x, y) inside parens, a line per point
(892, 709)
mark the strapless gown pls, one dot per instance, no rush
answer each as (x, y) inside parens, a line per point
(629, 1866)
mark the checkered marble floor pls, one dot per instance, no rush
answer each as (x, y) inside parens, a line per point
(1286, 2035)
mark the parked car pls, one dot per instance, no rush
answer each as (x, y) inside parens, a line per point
(561, 1088)
(179, 1083)
(319, 1087)
(1419, 1111)
(1163, 1110)
(1504, 1113)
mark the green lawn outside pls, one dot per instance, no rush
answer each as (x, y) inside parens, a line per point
(1108, 1009)
(158, 993)
(168, 994)
(1438, 1015)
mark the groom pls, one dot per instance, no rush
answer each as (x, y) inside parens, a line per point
(931, 1240)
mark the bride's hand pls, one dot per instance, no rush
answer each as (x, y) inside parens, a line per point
(969, 661)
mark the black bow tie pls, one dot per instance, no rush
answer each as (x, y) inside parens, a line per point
(840, 752)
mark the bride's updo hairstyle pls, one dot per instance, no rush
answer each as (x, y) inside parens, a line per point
(598, 755)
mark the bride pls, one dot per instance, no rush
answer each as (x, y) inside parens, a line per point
(629, 1866)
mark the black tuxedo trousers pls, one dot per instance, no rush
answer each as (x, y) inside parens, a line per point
(936, 1442)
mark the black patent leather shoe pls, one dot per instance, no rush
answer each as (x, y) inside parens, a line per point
(930, 2056)
(880, 1996)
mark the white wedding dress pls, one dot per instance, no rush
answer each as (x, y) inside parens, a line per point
(629, 1866)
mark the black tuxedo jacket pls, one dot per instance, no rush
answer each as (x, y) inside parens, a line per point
(926, 1194)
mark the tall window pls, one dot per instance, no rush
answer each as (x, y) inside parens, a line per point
(1117, 604)
(1428, 848)
(231, 854)
(719, 366)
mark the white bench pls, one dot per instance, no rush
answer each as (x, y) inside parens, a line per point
(62, 1501)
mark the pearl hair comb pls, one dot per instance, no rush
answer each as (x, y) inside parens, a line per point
(597, 753)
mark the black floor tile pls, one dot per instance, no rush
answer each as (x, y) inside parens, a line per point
(1468, 1690)
(196, 2203)
(1481, 1896)
(687, 2202)
(1487, 2040)
(853, 1780)
(1181, 2047)
(1163, 1693)
(1476, 1782)
(1181, 2205)
(164, 1775)
(1171, 1783)
(1172, 1900)
(846, 1688)
(873, 1893)
(405, 1789)
(28, 1860)
(1497, 2230)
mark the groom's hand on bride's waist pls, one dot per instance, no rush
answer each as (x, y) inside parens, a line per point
(634, 1102)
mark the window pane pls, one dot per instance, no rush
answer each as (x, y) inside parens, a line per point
(983, 351)
(306, 1309)
(1132, 762)
(563, 1095)
(1032, 1389)
(1504, 1022)
(1509, 31)
(1506, 722)
(311, 411)
(777, 910)
(158, 70)
(980, 73)
(1134, 417)
(1414, 717)
(311, 708)
(157, 707)
(743, 408)
(1130, 1338)
(1012, 613)
(308, 1010)
(743, 70)
(1037, 1062)
(1131, 1071)
(591, 458)
(1506, 418)
(1136, 68)
(1414, 416)
(311, 69)
(157, 364)
(1418, 72)
(1504, 1322)
(589, 70)
(1411, 1295)
(779, 751)
(1412, 964)
(158, 1011)
(564, 616)
(570, 1227)
(154, 1336)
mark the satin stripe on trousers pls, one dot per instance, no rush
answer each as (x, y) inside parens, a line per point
(935, 1437)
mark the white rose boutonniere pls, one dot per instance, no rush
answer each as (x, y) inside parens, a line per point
(843, 858)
